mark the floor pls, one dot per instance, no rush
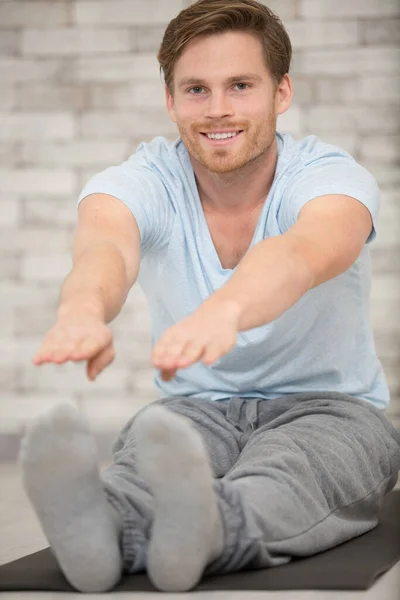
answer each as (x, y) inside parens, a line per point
(20, 534)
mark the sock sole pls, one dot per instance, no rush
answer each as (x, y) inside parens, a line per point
(58, 460)
(186, 531)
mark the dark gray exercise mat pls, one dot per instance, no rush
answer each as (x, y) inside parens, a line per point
(354, 565)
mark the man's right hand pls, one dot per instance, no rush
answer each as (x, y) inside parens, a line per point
(76, 337)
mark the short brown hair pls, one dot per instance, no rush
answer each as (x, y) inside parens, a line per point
(208, 17)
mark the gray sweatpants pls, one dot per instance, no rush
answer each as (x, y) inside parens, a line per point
(294, 476)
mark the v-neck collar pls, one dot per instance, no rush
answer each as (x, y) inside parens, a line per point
(205, 233)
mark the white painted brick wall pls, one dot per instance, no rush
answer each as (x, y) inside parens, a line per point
(37, 126)
(65, 42)
(46, 14)
(80, 88)
(118, 68)
(123, 12)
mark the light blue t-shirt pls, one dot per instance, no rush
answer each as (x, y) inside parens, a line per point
(322, 343)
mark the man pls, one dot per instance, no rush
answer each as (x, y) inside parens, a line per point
(271, 439)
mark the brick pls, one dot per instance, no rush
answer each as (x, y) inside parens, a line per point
(385, 316)
(18, 411)
(8, 379)
(380, 31)
(362, 119)
(387, 345)
(43, 96)
(388, 213)
(129, 95)
(14, 296)
(97, 124)
(381, 148)
(122, 68)
(303, 90)
(75, 153)
(48, 213)
(9, 42)
(142, 382)
(71, 377)
(131, 351)
(141, 323)
(10, 214)
(21, 69)
(343, 90)
(392, 376)
(123, 12)
(385, 121)
(45, 182)
(10, 265)
(9, 154)
(37, 126)
(385, 287)
(285, 10)
(290, 121)
(46, 267)
(54, 182)
(317, 9)
(148, 93)
(387, 176)
(36, 240)
(390, 199)
(311, 34)
(366, 60)
(15, 352)
(30, 323)
(34, 14)
(147, 38)
(7, 99)
(378, 89)
(108, 413)
(388, 230)
(385, 260)
(7, 318)
(67, 42)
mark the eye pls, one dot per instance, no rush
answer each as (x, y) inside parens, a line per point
(195, 90)
(243, 84)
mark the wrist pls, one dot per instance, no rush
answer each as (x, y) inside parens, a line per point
(227, 307)
(83, 307)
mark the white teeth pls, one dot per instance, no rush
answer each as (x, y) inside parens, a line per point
(221, 136)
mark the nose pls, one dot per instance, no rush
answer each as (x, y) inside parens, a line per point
(218, 106)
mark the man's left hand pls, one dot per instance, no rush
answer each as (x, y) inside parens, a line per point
(207, 334)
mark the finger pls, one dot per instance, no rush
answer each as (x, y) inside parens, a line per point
(63, 352)
(88, 348)
(100, 362)
(168, 374)
(212, 354)
(166, 356)
(192, 353)
(46, 352)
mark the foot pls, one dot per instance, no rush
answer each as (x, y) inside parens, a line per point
(187, 531)
(58, 460)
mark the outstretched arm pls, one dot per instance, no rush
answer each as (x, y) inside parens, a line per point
(325, 241)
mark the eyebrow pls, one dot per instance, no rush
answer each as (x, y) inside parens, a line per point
(201, 82)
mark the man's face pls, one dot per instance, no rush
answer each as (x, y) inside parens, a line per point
(222, 85)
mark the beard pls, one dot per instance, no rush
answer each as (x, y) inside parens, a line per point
(255, 142)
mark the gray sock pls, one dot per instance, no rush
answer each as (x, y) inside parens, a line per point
(59, 469)
(187, 532)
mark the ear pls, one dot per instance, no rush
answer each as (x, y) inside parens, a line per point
(170, 105)
(283, 95)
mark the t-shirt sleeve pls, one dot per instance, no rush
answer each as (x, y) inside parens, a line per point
(142, 190)
(329, 174)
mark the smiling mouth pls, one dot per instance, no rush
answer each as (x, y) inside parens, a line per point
(222, 136)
